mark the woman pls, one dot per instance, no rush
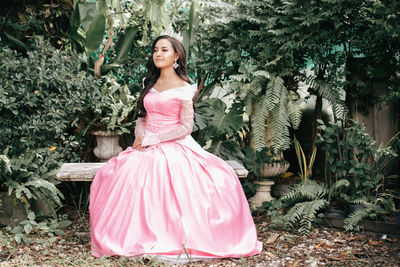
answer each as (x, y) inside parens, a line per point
(165, 196)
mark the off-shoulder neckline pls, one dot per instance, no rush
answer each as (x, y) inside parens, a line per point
(171, 88)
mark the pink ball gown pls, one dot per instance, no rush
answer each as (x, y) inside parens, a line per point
(173, 198)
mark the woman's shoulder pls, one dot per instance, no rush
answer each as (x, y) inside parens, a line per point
(185, 92)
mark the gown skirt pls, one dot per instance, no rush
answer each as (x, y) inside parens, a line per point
(171, 200)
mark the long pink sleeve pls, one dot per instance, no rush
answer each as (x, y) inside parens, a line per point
(183, 129)
(140, 126)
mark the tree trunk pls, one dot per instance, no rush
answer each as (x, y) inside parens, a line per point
(317, 116)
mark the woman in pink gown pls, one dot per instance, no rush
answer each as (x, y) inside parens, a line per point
(165, 196)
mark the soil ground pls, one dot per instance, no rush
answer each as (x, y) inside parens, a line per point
(324, 247)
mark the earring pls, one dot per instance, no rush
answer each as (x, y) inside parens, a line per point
(175, 65)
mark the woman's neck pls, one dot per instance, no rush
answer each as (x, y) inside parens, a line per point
(168, 74)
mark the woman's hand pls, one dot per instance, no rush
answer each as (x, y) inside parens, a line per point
(138, 143)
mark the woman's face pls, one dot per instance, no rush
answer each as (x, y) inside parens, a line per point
(164, 54)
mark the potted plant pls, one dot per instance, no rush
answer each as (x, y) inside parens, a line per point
(355, 167)
(110, 117)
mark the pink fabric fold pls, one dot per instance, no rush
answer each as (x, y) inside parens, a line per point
(170, 197)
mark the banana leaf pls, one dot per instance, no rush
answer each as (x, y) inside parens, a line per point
(95, 33)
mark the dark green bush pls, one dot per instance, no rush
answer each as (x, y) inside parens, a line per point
(355, 159)
(43, 96)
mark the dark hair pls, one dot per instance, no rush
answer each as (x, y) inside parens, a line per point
(153, 73)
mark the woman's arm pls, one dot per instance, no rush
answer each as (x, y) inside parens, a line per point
(140, 127)
(139, 133)
(183, 129)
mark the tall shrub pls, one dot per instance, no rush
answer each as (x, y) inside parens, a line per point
(43, 95)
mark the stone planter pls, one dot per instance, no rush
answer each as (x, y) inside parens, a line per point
(263, 193)
(11, 212)
(279, 189)
(354, 207)
(274, 169)
(335, 213)
(107, 145)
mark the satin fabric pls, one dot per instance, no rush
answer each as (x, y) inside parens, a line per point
(171, 199)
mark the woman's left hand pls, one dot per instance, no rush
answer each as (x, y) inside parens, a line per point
(137, 144)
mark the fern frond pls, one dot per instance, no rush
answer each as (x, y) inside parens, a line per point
(55, 193)
(337, 189)
(340, 111)
(258, 123)
(18, 190)
(351, 223)
(263, 100)
(279, 126)
(339, 184)
(256, 85)
(262, 73)
(304, 213)
(5, 165)
(248, 104)
(275, 88)
(294, 113)
(326, 90)
(386, 201)
(309, 190)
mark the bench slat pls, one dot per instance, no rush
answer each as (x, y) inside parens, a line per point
(86, 171)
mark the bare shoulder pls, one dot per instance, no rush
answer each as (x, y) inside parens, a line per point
(182, 83)
(162, 86)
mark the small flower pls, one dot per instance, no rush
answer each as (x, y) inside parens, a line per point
(52, 148)
(36, 91)
(57, 110)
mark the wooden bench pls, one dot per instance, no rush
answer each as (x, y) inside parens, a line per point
(85, 172)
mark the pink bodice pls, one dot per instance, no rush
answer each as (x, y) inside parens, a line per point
(164, 109)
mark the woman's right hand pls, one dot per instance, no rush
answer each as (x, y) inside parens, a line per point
(137, 144)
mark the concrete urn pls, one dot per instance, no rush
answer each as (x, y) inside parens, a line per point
(107, 145)
(263, 193)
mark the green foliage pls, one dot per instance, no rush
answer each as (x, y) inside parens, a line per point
(47, 229)
(156, 14)
(355, 158)
(95, 33)
(284, 38)
(28, 19)
(299, 208)
(305, 168)
(219, 129)
(331, 90)
(242, 63)
(380, 206)
(253, 160)
(43, 95)
(310, 190)
(113, 105)
(225, 122)
(193, 21)
(268, 104)
(357, 170)
(31, 176)
(304, 214)
(213, 57)
(88, 26)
